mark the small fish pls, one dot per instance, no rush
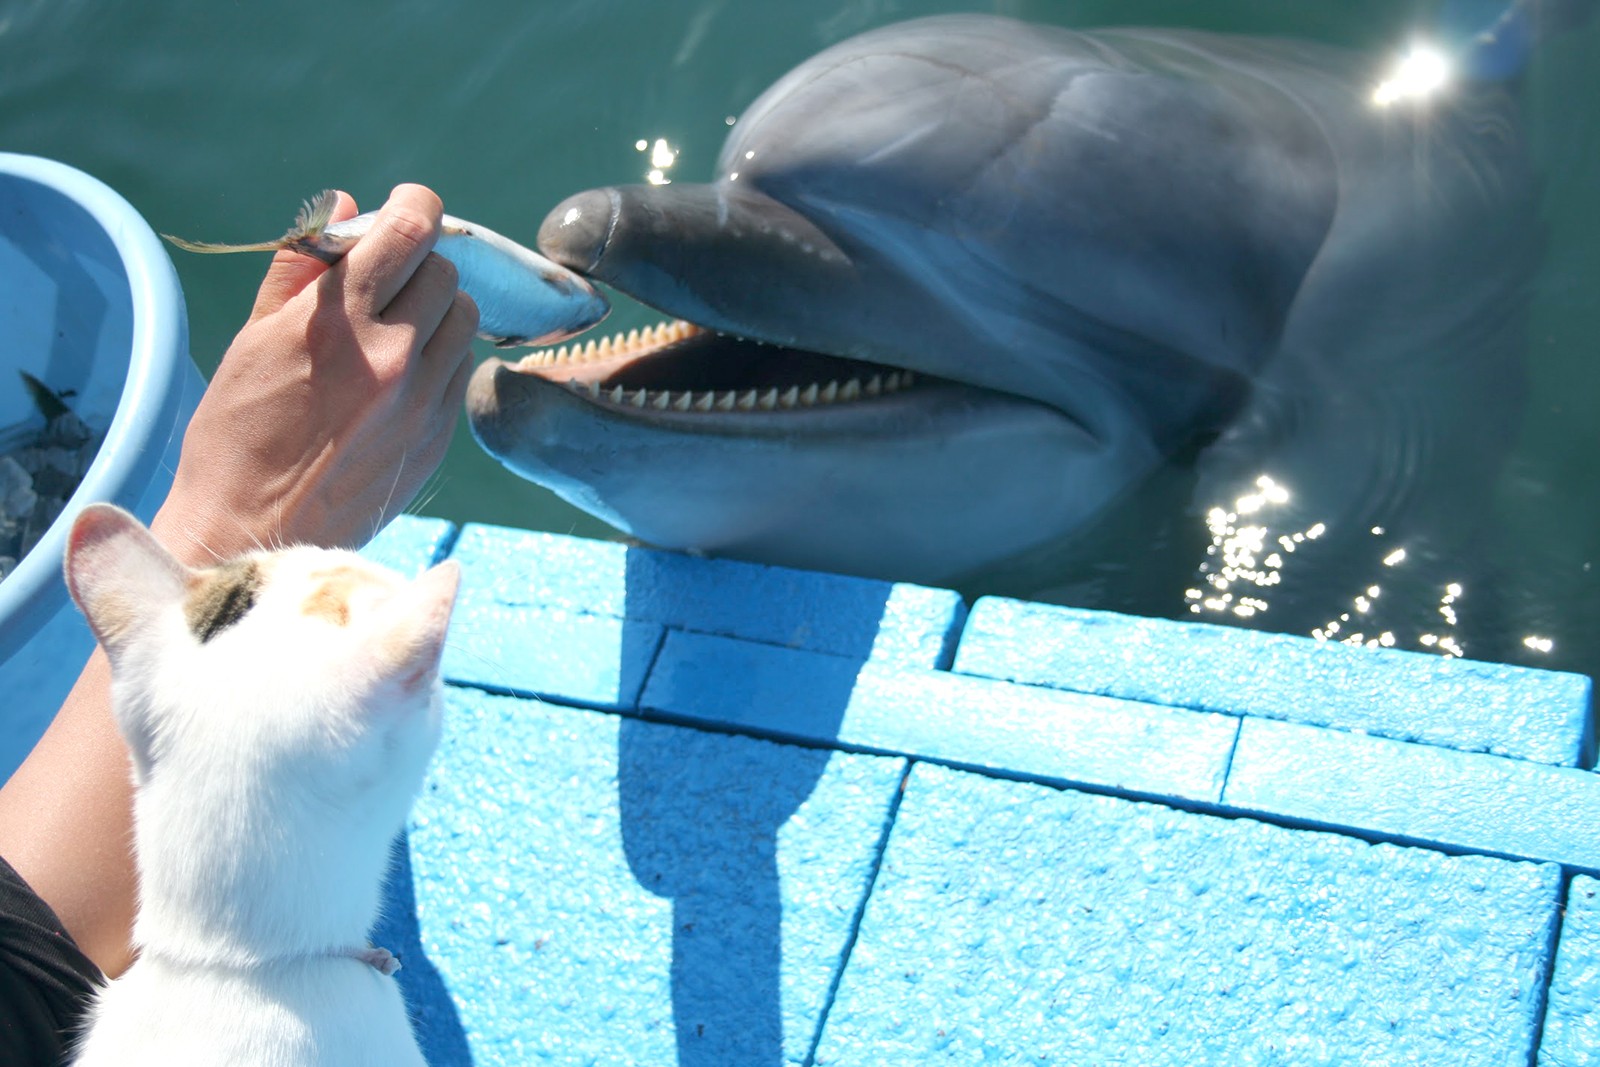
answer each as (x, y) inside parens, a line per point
(522, 297)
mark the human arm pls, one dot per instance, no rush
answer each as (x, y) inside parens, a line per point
(329, 411)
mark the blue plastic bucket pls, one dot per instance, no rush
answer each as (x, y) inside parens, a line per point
(91, 306)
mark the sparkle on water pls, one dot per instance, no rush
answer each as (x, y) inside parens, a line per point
(662, 157)
(1247, 557)
(1419, 74)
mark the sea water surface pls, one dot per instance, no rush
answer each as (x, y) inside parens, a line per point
(216, 118)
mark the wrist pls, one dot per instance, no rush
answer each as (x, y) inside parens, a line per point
(196, 537)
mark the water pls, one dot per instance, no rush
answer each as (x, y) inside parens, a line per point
(215, 119)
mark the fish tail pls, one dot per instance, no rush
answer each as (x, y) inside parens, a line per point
(304, 236)
(315, 214)
(208, 248)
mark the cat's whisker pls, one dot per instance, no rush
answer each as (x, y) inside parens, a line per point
(383, 512)
(430, 489)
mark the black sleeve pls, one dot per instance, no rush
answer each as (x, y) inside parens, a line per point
(45, 981)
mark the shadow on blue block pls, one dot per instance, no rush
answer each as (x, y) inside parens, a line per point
(717, 865)
(434, 1019)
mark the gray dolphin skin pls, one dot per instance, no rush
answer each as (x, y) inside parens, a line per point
(962, 285)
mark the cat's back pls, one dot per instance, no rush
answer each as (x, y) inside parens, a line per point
(307, 1013)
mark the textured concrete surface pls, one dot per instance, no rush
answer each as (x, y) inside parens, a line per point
(774, 605)
(411, 544)
(1572, 1021)
(950, 718)
(1421, 793)
(592, 889)
(1410, 696)
(1014, 924)
(728, 872)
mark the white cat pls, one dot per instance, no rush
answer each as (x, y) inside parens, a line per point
(280, 710)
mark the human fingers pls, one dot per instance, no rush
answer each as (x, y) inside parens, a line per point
(431, 446)
(426, 298)
(402, 235)
(449, 349)
(291, 272)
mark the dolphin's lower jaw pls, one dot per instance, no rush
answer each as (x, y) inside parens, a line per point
(690, 441)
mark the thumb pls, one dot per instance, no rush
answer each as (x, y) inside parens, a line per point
(291, 272)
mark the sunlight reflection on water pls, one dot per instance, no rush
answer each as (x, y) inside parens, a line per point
(1249, 555)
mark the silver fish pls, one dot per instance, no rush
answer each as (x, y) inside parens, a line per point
(522, 297)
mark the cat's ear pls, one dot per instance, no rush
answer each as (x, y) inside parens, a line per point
(410, 641)
(119, 574)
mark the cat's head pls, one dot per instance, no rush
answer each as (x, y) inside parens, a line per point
(280, 709)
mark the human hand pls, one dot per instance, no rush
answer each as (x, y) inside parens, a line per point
(337, 399)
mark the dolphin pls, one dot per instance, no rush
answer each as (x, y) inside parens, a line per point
(963, 285)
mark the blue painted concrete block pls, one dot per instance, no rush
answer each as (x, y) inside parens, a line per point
(1013, 730)
(1463, 704)
(1417, 792)
(566, 655)
(516, 569)
(596, 661)
(594, 889)
(1016, 924)
(1572, 1019)
(410, 544)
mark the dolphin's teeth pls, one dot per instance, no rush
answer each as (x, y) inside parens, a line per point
(874, 385)
(616, 395)
(705, 401)
(891, 383)
(769, 399)
(791, 397)
(594, 388)
(661, 401)
(809, 397)
(684, 401)
(633, 339)
(851, 390)
(639, 398)
(830, 392)
(725, 401)
(587, 353)
(747, 400)
(605, 346)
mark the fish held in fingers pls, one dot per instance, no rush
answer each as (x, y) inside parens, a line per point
(522, 297)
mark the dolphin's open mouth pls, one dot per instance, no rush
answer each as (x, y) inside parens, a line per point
(678, 366)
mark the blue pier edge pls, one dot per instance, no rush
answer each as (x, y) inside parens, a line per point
(709, 813)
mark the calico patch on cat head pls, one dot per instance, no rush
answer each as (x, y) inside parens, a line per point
(220, 597)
